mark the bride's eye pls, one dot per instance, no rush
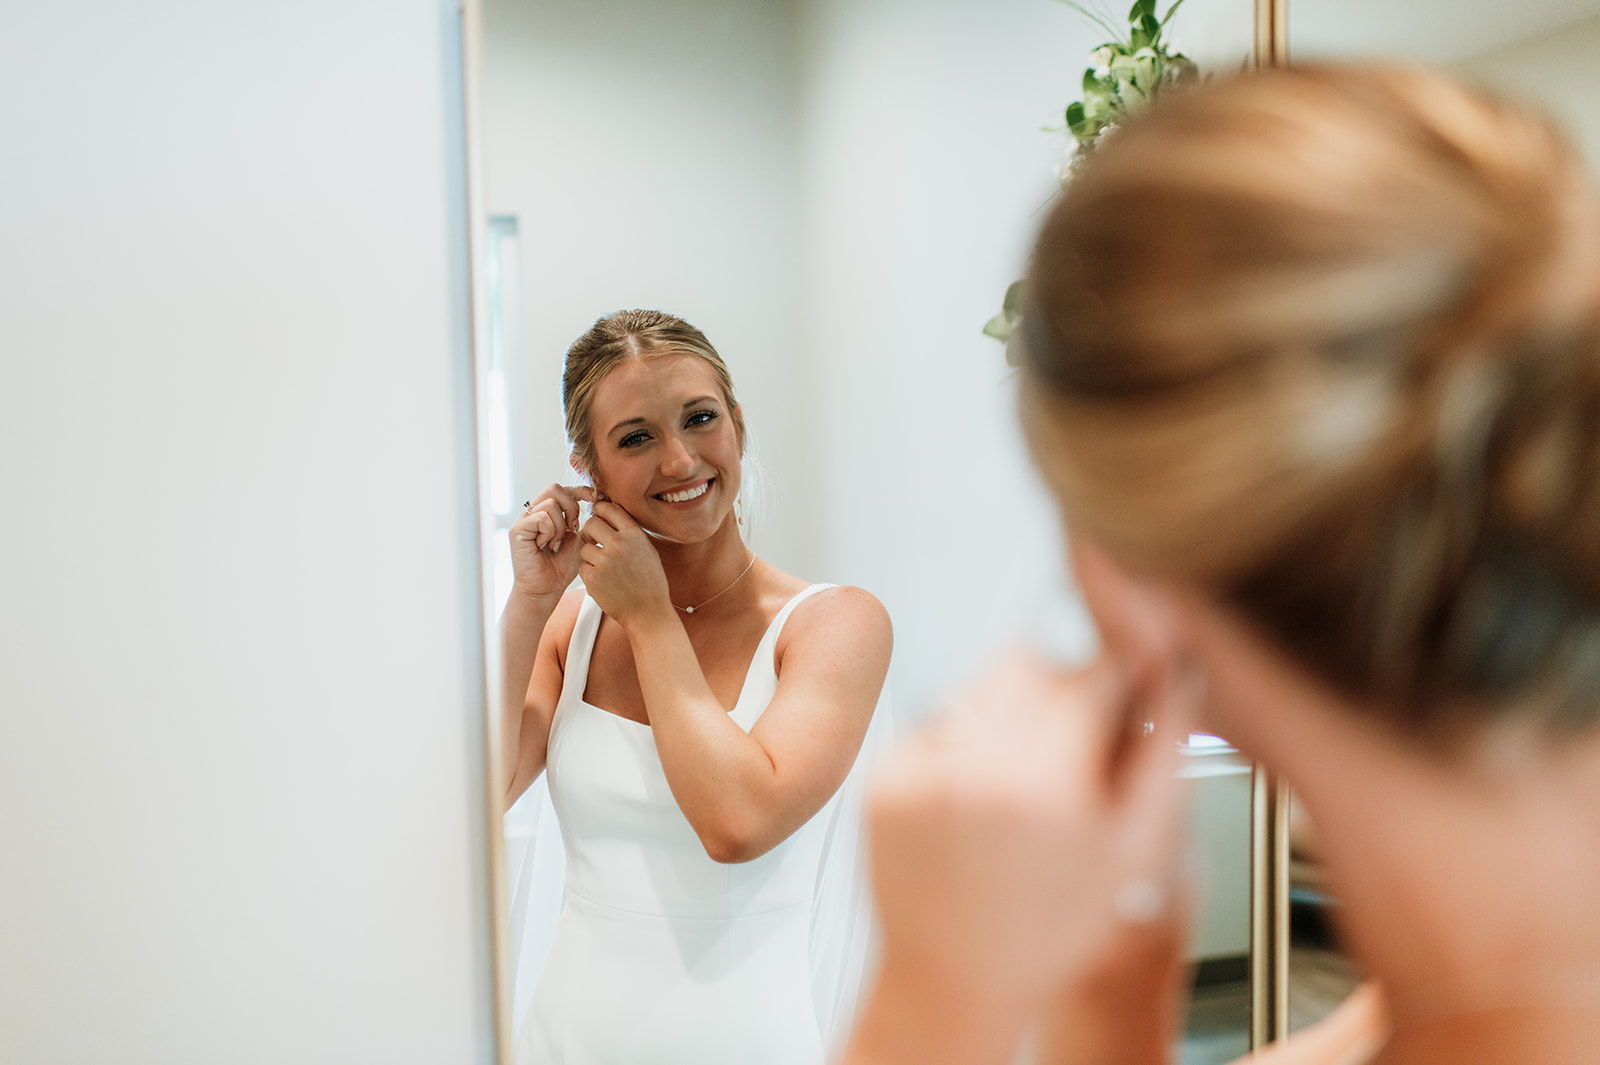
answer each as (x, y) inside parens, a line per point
(701, 417)
(634, 439)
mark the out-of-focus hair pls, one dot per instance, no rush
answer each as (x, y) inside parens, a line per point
(630, 335)
(1326, 343)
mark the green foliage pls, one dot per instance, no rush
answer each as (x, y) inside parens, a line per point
(1003, 326)
(1128, 71)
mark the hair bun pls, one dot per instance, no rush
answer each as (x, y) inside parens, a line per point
(1326, 342)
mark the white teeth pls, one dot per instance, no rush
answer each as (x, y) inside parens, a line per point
(685, 495)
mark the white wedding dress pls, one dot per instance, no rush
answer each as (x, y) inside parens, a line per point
(660, 954)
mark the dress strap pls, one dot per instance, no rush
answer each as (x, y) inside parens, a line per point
(761, 681)
(575, 674)
(769, 641)
(788, 608)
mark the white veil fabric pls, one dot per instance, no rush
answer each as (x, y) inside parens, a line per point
(844, 941)
(536, 865)
(843, 928)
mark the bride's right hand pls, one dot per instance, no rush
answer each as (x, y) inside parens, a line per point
(544, 541)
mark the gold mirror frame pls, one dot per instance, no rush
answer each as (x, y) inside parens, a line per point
(1269, 804)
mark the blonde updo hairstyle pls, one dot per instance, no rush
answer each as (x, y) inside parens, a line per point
(634, 334)
(1325, 342)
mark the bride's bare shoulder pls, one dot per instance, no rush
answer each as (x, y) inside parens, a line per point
(843, 615)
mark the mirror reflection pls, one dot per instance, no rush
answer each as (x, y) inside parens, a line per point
(837, 195)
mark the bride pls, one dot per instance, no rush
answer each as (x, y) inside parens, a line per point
(695, 711)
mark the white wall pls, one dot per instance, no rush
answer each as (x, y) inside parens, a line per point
(927, 170)
(240, 752)
(649, 153)
(925, 164)
(1428, 31)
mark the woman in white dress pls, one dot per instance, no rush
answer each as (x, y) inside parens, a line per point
(695, 711)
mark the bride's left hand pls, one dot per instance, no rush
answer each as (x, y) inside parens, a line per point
(621, 568)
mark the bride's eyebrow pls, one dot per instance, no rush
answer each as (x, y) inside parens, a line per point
(624, 424)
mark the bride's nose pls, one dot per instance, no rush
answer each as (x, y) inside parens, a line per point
(677, 458)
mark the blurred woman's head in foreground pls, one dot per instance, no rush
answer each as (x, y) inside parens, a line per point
(1325, 344)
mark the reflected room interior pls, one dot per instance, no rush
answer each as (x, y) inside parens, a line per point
(839, 196)
(838, 193)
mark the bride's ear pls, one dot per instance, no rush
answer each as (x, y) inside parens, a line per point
(577, 467)
(1135, 614)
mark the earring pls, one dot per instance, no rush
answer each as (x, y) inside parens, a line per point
(738, 509)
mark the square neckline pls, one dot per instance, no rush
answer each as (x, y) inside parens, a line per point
(744, 685)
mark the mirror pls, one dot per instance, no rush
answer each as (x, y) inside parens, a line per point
(1542, 51)
(837, 192)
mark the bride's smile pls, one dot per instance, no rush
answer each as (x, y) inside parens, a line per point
(686, 495)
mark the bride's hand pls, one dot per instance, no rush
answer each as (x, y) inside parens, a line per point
(1014, 839)
(621, 568)
(544, 541)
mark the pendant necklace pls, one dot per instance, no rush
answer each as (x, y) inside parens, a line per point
(736, 580)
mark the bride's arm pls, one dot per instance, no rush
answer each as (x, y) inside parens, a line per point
(534, 634)
(744, 793)
(534, 630)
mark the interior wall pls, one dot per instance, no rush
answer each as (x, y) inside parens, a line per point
(649, 153)
(927, 168)
(1421, 31)
(241, 751)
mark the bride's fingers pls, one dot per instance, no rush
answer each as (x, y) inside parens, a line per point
(544, 522)
(543, 529)
(557, 534)
(595, 531)
(563, 500)
(1154, 797)
(613, 515)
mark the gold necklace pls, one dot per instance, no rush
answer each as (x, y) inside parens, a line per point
(736, 580)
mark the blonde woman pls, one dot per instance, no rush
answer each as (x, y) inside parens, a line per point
(696, 712)
(1313, 368)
